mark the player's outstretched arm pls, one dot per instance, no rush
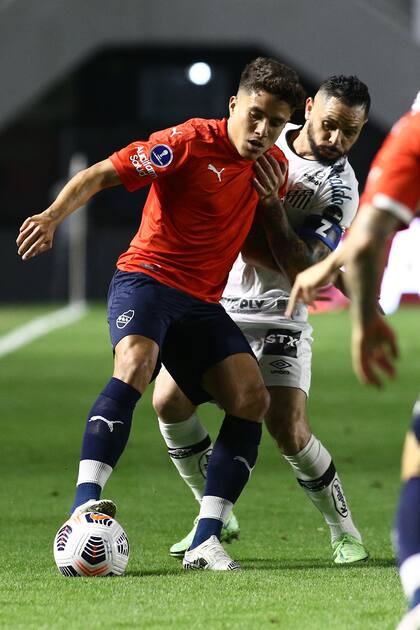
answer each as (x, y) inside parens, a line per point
(374, 347)
(36, 233)
(308, 283)
(374, 351)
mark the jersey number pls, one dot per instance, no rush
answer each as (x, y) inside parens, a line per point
(323, 228)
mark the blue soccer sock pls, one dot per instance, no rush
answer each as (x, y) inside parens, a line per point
(105, 437)
(230, 465)
(408, 537)
(407, 524)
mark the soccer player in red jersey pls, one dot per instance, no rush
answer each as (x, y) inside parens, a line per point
(207, 178)
(389, 203)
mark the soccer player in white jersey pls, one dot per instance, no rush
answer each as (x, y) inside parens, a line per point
(320, 204)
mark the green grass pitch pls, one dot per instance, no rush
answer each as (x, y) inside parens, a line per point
(288, 581)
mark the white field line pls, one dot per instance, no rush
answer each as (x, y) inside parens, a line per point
(41, 326)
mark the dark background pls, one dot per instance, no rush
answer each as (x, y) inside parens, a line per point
(116, 96)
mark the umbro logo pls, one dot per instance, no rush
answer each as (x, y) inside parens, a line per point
(180, 453)
(280, 364)
(214, 170)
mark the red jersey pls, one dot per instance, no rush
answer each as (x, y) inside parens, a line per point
(200, 206)
(394, 177)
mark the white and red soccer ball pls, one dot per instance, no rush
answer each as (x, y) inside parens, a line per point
(91, 545)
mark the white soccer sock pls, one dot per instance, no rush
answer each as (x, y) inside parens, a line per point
(215, 507)
(315, 472)
(189, 447)
(410, 575)
(92, 471)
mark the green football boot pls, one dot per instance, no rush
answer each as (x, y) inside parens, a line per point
(347, 550)
(230, 531)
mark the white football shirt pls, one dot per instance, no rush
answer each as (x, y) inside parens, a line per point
(312, 187)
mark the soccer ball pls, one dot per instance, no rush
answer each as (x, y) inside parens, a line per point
(90, 545)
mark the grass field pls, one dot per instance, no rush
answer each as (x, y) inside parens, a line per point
(288, 582)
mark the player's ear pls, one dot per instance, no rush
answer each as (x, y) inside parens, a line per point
(308, 107)
(232, 104)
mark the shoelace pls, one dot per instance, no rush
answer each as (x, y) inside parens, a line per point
(218, 552)
(342, 544)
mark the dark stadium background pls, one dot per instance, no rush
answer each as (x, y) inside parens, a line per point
(112, 98)
(92, 76)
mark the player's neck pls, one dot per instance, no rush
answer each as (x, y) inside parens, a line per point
(301, 145)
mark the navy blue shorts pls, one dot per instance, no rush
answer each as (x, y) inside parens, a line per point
(192, 335)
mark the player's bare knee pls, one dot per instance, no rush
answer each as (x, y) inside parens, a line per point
(134, 365)
(251, 402)
(294, 441)
(161, 403)
(290, 432)
(170, 406)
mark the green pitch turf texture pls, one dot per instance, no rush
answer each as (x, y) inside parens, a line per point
(288, 581)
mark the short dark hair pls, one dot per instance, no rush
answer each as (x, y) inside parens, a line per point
(350, 90)
(269, 75)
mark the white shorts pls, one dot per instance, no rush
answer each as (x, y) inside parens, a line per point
(283, 350)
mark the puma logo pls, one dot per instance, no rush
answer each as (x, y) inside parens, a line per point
(214, 170)
(174, 132)
(110, 423)
(238, 458)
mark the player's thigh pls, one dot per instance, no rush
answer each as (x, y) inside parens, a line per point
(169, 401)
(410, 463)
(237, 386)
(194, 352)
(140, 311)
(138, 305)
(284, 352)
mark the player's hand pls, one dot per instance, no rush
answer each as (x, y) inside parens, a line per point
(309, 284)
(374, 350)
(270, 177)
(35, 235)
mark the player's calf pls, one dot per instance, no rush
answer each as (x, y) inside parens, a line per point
(105, 437)
(233, 458)
(407, 526)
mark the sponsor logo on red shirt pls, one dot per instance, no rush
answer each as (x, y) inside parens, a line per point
(141, 163)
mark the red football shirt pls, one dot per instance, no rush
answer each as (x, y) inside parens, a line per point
(200, 206)
(394, 177)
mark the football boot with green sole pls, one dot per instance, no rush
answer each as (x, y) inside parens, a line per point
(230, 531)
(347, 550)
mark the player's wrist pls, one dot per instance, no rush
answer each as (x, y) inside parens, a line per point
(271, 205)
(54, 215)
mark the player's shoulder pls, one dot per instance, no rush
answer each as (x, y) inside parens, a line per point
(202, 129)
(402, 142)
(205, 129)
(406, 131)
(343, 170)
(282, 141)
(342, 186)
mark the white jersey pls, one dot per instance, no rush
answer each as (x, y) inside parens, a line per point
(315, 193)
